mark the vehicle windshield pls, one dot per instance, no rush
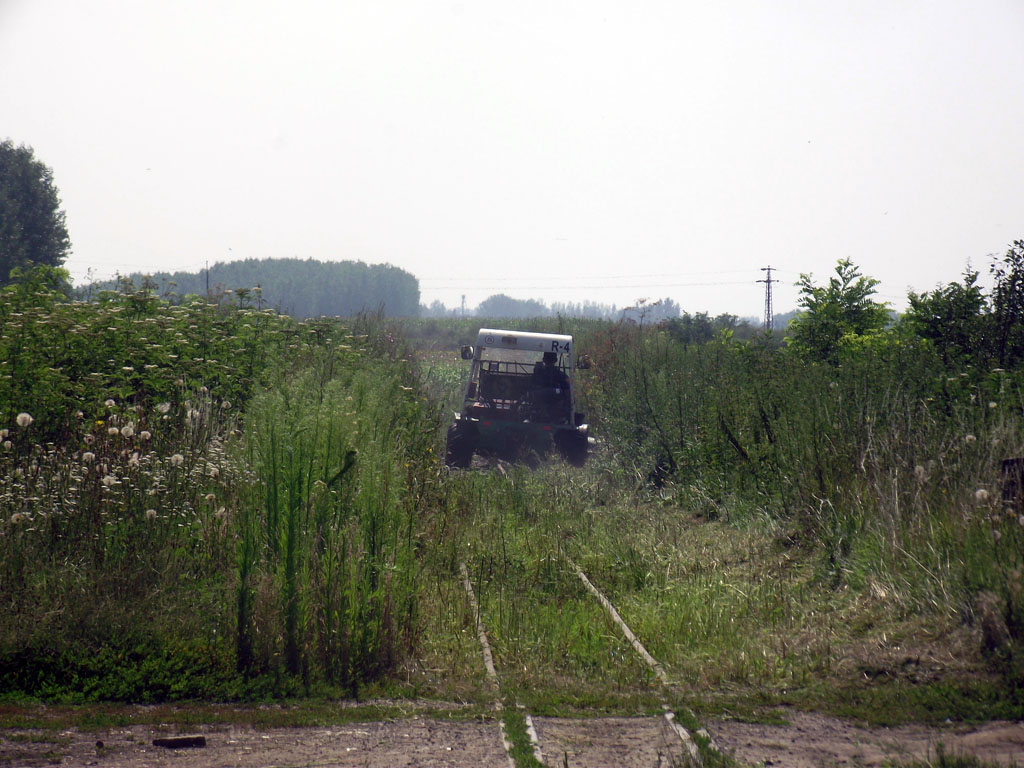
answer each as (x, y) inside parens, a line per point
(510, 355)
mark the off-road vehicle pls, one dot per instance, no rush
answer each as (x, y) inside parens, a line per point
(520, 400)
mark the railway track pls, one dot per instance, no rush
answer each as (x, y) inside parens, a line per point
(624, 741)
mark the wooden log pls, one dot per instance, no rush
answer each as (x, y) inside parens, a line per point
(180, 742)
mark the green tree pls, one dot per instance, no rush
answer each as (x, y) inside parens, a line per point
(500, 305)
(1008, 306)
(32, 229)
(691, 329)
(842, 307)
(952, 317)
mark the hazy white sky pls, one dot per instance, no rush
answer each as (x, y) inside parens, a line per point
(566, 151)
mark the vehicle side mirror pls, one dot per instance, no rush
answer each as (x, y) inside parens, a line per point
(467, 352)
(583, 362)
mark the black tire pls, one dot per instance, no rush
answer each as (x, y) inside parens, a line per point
(572, 446)
(459, 446)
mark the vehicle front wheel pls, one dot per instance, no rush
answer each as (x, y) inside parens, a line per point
(459, 446)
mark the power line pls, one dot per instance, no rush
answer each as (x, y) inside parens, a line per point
(633, 275)
(579, 286)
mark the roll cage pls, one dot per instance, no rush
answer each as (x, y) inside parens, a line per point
(509, 379)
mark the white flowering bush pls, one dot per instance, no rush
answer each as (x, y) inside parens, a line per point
(64, 361)
(141, 550)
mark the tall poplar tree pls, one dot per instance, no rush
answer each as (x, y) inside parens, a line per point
(32, 229)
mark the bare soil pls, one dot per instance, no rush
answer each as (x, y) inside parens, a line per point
(807, 741)
(394, 744)
(811, 741)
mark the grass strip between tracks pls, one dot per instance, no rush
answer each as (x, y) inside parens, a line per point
(518, 735)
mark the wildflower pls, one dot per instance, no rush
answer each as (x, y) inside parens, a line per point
(89, 439)
(970, 439)
(992, 404)
(88, 456)
(997, 535)
(192, 415)
(7, 445)
(981, 496)
(24, 420)
(16, 518)
(79, 415)
(177, 460)
(164, 407)
(203, 390)
(214, 472)
(4, 433)
(920, 473)
(133, 460)
(109, 403)
(226, 405)
(145, 434)
(151, 514)
(108, 480)
(113, 431)
(211, 497)
(128, 429)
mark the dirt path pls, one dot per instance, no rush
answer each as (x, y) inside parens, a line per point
(395, 744)
(808, 741)
(811, 741)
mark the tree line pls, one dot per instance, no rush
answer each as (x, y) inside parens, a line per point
(301, 288)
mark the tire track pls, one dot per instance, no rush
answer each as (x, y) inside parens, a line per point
(492, 677)
(689, 744)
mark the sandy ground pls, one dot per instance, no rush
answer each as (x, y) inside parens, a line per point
(809, 740)
(412, 742)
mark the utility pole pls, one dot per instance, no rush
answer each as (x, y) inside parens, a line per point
(463, 305)
(769, 322)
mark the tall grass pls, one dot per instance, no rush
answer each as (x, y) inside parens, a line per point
(889, 463)
(333, 530)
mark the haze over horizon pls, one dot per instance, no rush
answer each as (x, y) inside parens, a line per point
(563, 152)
